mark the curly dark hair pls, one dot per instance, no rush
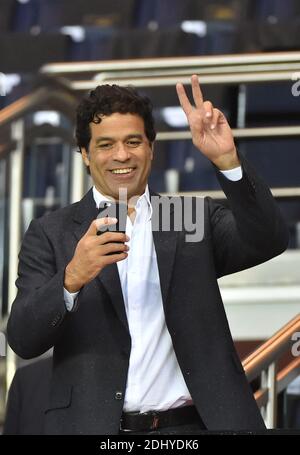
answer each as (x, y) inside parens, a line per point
(109, 99)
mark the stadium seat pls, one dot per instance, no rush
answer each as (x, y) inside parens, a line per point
(271, 104)
(274, 10)
(24, 15)
(255, 36)
(167, 13)
(6, 15)
(96, 44)
(221, 37)
(49, 15)
(24, 52)
(56, 13)
(276, 159)
(168, 42)
(196, 171)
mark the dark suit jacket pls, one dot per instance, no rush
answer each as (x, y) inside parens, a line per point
(28, 398)
(92, 344)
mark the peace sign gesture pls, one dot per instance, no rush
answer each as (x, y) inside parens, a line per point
(211, 133)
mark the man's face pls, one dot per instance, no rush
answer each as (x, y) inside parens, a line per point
(119, 155)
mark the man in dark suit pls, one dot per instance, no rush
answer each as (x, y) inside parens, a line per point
(140, 336)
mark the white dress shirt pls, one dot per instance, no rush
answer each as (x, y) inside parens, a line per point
(155, 380)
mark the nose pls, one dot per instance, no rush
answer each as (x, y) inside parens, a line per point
(121, 152)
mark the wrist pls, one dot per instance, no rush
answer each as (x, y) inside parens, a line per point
(228, 161)
(71, 280)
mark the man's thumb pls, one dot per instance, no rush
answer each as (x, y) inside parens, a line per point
(97, 223)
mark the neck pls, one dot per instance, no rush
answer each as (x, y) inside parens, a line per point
(131, 213)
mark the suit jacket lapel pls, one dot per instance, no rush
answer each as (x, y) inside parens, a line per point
(109, 276)
(110, 279)
(165, 246)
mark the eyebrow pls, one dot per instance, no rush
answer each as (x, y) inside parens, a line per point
(129, 136)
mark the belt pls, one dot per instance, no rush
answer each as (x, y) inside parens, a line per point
(152, 420)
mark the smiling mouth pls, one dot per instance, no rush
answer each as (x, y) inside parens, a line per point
(126, 170)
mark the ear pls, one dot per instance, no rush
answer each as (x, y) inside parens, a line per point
(85, 156)
(151, 151)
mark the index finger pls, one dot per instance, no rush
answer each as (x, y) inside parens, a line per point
(96, 224)
(183, 99)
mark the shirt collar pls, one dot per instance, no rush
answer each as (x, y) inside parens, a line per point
(142, 203)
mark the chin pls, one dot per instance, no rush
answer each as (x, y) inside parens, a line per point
(130, 190)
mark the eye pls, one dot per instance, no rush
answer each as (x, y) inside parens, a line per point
(104, 145)
(134, 143)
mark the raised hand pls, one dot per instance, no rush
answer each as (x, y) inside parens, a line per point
(211, 133)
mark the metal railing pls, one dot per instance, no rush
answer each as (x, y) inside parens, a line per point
(264, 363)
(12, 127)
(202, 64)
(278, 193)
(236, 69)
(61, 100)
(162, 72)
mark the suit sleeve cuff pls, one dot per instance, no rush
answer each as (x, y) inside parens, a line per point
(233, 174)
(70, 298)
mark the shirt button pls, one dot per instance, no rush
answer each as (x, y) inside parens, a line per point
(118, 395)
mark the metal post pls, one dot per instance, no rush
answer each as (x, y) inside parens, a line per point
(263, 385)
(77, 177)
(15, 220)
(241, 112)
(242, 104)
(272, 399)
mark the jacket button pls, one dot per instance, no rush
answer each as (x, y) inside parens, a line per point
(56, 320)
(118, 395)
